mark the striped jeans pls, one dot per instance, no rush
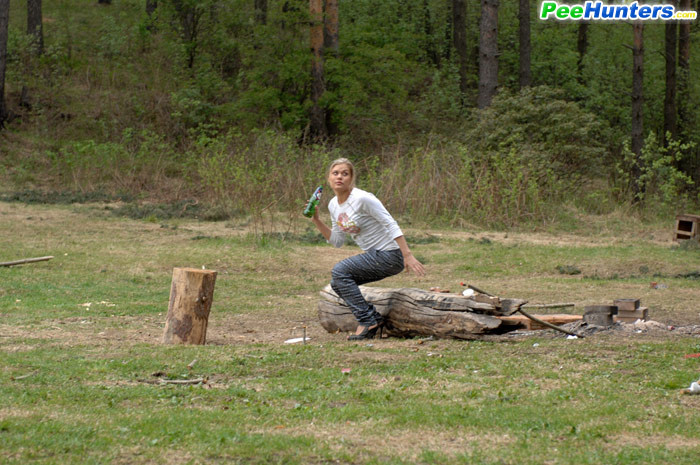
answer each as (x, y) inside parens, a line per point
(367, 267)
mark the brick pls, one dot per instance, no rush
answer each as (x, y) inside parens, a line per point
(642, 313)
(626, 304)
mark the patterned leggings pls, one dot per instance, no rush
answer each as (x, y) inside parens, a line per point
(367, 267)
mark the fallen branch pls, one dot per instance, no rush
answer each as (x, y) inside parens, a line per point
(548, 324)
(17, 378)
(26, 260)
(183, 381)
(549, 305)
(480, 291)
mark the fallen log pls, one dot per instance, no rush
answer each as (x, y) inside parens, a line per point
(26, 260)
(415, 312)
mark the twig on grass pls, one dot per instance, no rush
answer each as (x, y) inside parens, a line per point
(17, 378)
(184, 381)
(177, 382)
(26, 260)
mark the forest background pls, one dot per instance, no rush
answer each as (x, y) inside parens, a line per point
(232, 107)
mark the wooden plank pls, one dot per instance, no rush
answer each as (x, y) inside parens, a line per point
(686, 227)
(555, 319)
(688, 217)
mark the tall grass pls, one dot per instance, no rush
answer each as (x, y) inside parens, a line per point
(264, 173)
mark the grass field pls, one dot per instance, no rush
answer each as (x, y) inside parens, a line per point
(81, 353)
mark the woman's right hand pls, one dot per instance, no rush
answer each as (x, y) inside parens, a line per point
(320, 225)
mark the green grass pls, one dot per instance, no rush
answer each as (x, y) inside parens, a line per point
(91, 397)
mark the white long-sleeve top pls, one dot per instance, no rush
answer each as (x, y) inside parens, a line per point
(364, 217)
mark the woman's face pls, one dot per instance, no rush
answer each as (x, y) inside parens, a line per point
(340, 177)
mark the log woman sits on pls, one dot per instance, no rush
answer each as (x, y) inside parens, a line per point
(360, 214)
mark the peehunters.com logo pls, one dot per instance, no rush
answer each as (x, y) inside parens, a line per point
(597, 10)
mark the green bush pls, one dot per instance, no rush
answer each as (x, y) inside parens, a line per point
(549, 132)
(660, 182)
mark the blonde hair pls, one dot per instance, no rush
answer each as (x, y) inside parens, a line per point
(344, 161)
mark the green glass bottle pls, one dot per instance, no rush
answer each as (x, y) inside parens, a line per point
(313, 202)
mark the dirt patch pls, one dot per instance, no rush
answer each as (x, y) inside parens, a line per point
(406, 444)
(131, 455)
(245, 329)
(114, 331)
(669, 442)
(659, 237)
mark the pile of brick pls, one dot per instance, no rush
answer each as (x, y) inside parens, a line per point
(629, 311)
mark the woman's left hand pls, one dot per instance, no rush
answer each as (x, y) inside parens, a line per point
(412, 264)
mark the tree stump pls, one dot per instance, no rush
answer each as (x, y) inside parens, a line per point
(191, 296)
(414, 312)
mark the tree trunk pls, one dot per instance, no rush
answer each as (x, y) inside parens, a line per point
(330, 44)
(459, 40)
(330, 27)
(151, 7)
(4, 24)
(414, 312)
(488, 52)
(637, 105)
(524, 20)
(582, 46)
(191, 295)
(430, 48)
(318, 115)
(190, 16)
(261, 11)
(34, 25)
(684, 128)
(683, 70)
(670, 39)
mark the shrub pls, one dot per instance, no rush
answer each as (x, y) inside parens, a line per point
(544, 128)
(660, 181)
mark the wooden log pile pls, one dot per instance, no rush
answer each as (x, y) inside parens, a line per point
(415, 312)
